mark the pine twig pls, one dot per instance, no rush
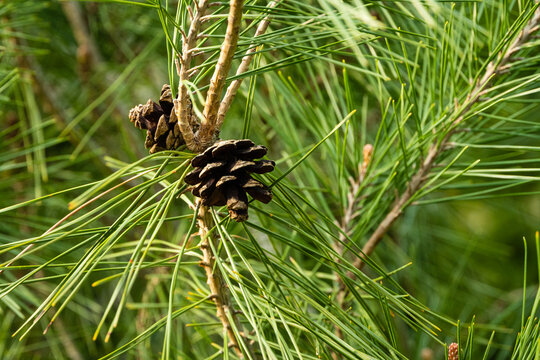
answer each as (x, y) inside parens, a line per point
(244, 66)
(493, 69)
(181, 104)
(218, 287)
(349, 211)
(201, 140)
(346, 226)
(208, 127)
(215, 109)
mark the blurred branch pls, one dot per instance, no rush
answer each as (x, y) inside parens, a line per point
(88, 54)
(67, 341)
(144, 317)
(51, 101)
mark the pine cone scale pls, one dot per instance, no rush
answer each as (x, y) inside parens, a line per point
(252, 153)
(216, 199)
(211, 168)
(257, 190)
(207, 188)
(223, 150)
(200, 160)
(161, 128)
(237, 203)
(166, 100)
(262, 195)
(242, 165)
(192, 178)
(226, 179)
(243, 144)
(264, 166)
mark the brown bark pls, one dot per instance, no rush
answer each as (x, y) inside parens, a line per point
(218, 287)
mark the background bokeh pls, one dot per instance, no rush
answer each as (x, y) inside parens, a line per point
(70, 72)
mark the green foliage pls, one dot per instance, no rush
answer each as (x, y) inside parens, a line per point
(98, 245)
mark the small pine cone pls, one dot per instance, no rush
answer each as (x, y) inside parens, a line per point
(159, 121)
(221, 176)
(453, 351)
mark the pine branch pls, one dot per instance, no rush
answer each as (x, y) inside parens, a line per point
(244, 66)
(181, 104)
(346, 226)
(215, 108)
(218, 287)
(493, 69)
(208, 128)
(350, 210)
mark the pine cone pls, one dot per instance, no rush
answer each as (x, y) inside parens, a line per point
(159, 121)
(221, 176)
(453, 351)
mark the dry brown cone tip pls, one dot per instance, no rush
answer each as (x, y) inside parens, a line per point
(221, 176)
(159, 121)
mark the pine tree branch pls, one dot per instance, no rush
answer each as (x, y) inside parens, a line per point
(208, 128)
(244, 66)
(493, 69)
(346, 226)
(218, 287)
(349, 211)
(181, 105)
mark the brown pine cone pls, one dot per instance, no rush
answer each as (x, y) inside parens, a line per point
(159, 121)
(221, 176)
